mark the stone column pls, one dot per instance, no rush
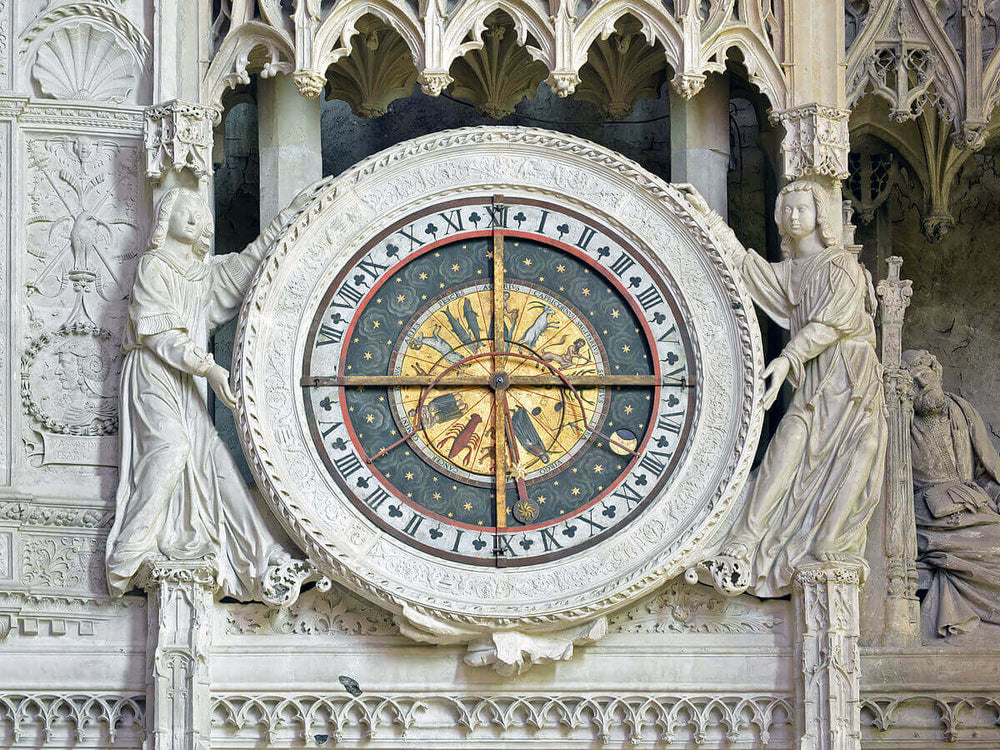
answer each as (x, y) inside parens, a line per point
(827, 657)
(899, 532)
(699, 141)
(291, 154)
(179, 636)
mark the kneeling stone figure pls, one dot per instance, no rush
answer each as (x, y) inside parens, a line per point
(180, 494)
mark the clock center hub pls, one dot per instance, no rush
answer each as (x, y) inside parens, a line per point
(499, 381)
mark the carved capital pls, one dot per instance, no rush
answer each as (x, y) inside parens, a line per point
(157, 571)
(894, 292)
(688, 84)
(309, 83)
(563, 82)
(178, 136)
(433, 82)
(816, 141)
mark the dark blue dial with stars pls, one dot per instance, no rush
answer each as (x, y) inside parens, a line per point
(500, 381)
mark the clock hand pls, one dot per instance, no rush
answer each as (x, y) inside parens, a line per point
(522, 487)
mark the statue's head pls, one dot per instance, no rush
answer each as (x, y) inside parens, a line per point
(928, 390)
(183, 217)
(804, 207)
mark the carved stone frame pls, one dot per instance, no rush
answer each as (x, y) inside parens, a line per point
(342, 214)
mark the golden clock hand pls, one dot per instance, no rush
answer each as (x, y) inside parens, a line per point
(498, 282)
(522, 488)
(500, 458)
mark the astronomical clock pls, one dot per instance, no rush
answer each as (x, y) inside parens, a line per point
(498, 380)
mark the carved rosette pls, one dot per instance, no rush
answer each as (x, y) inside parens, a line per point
(825, 597)
(179, 136)
(816, 141)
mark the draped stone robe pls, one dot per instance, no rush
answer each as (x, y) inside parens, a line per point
(955, 463)
(180, 493)
(828, 452)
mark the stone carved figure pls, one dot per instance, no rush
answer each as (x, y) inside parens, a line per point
(956, 484)
(180, 494)
(822, 473)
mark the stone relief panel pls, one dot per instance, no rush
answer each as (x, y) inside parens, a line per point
(86, 51)
(83, 210)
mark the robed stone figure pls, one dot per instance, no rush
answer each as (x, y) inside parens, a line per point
(956, 483)
(822, 473)
(180, 494)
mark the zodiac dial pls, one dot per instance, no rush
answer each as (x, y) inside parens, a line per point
(500, 382)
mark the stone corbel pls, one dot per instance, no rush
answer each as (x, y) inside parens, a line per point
(178, 136)
(816, 141)
(509, 652)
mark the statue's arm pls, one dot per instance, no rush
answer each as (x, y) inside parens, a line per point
(176, 349)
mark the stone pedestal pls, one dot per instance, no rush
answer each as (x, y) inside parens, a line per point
(291, 154)
(178, 705)
(826, 657)
(699, 141)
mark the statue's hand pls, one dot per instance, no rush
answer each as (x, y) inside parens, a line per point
(218, 378)
(777, 371)
(695, 198)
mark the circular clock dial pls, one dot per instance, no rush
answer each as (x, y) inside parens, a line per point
(499, 382)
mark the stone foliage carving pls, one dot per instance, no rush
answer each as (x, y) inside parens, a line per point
(180, 493)
(41, 718)
(334, 612)
(822, 474)
(682, 608)
(956, 482)
(652, 720)
(344, 214)
(560, 37)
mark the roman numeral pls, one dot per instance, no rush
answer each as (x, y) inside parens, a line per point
(414, 240)
(541, 223)
(329, 335)
(621, 265)
(413, 524)
(677, 372)
(371, 267)
(549, 540)
(347, 464)
(594, 525)
(585, 237)
(331, 428)
(669, 332)
(494, 213)
(458, 538)
(350, 297)
(502, 546)
(666, 423)
(650, 297)
(455, 224)
(376, 498)
(651, 461)
(628, 494)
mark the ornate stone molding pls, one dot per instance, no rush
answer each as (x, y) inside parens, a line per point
(179, 136)
(40, 718)
(816, 141)
(33, 513)
(641, 720)
(924, 719)
(828, 660)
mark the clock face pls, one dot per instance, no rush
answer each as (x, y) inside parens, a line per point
(497, 378)
(499, 382)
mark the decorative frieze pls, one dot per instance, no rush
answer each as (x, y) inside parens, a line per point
(34, 719)
(560, 720)
(816, 141)
(179, 136)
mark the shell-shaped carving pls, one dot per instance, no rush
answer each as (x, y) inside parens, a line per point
(83, 61)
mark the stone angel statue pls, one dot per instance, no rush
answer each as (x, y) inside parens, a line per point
(822, 473)
(180, 494)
